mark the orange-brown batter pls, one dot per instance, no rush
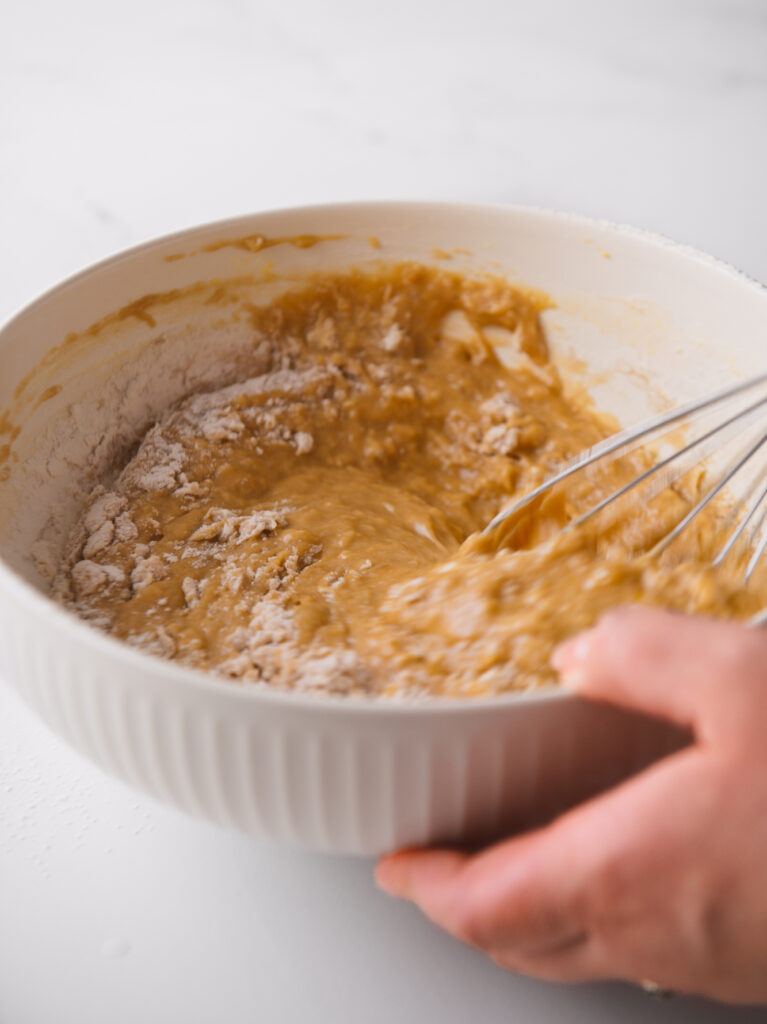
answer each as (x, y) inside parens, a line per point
(314, 527)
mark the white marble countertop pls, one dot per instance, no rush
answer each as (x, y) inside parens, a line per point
(119, 123)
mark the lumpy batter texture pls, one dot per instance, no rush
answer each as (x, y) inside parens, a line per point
(315, 527)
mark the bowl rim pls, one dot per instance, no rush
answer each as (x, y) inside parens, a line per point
(169, 673)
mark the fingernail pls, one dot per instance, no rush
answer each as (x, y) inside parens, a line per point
(572, 653)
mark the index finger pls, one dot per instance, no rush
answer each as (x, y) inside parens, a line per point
(503, 896)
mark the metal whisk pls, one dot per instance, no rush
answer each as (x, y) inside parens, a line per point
(724, 432)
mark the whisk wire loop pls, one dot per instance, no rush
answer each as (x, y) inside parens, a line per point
(626, 441)
(748, 514)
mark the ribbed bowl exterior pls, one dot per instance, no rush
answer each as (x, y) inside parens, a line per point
(340, 778)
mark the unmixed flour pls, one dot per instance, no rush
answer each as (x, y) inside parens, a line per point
(158, 466)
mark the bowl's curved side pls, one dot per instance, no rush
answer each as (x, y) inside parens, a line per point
(353, 782)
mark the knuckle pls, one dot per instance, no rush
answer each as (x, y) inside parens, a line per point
(711, 926)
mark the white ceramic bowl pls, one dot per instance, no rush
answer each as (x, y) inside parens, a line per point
(646, 317)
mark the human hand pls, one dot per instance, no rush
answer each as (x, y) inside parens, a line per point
(663, 877)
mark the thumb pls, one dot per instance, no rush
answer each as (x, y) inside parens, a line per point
(675, 666)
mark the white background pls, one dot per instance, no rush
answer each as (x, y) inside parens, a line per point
(119, 123)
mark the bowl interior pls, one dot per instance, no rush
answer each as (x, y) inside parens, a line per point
(89, 366)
